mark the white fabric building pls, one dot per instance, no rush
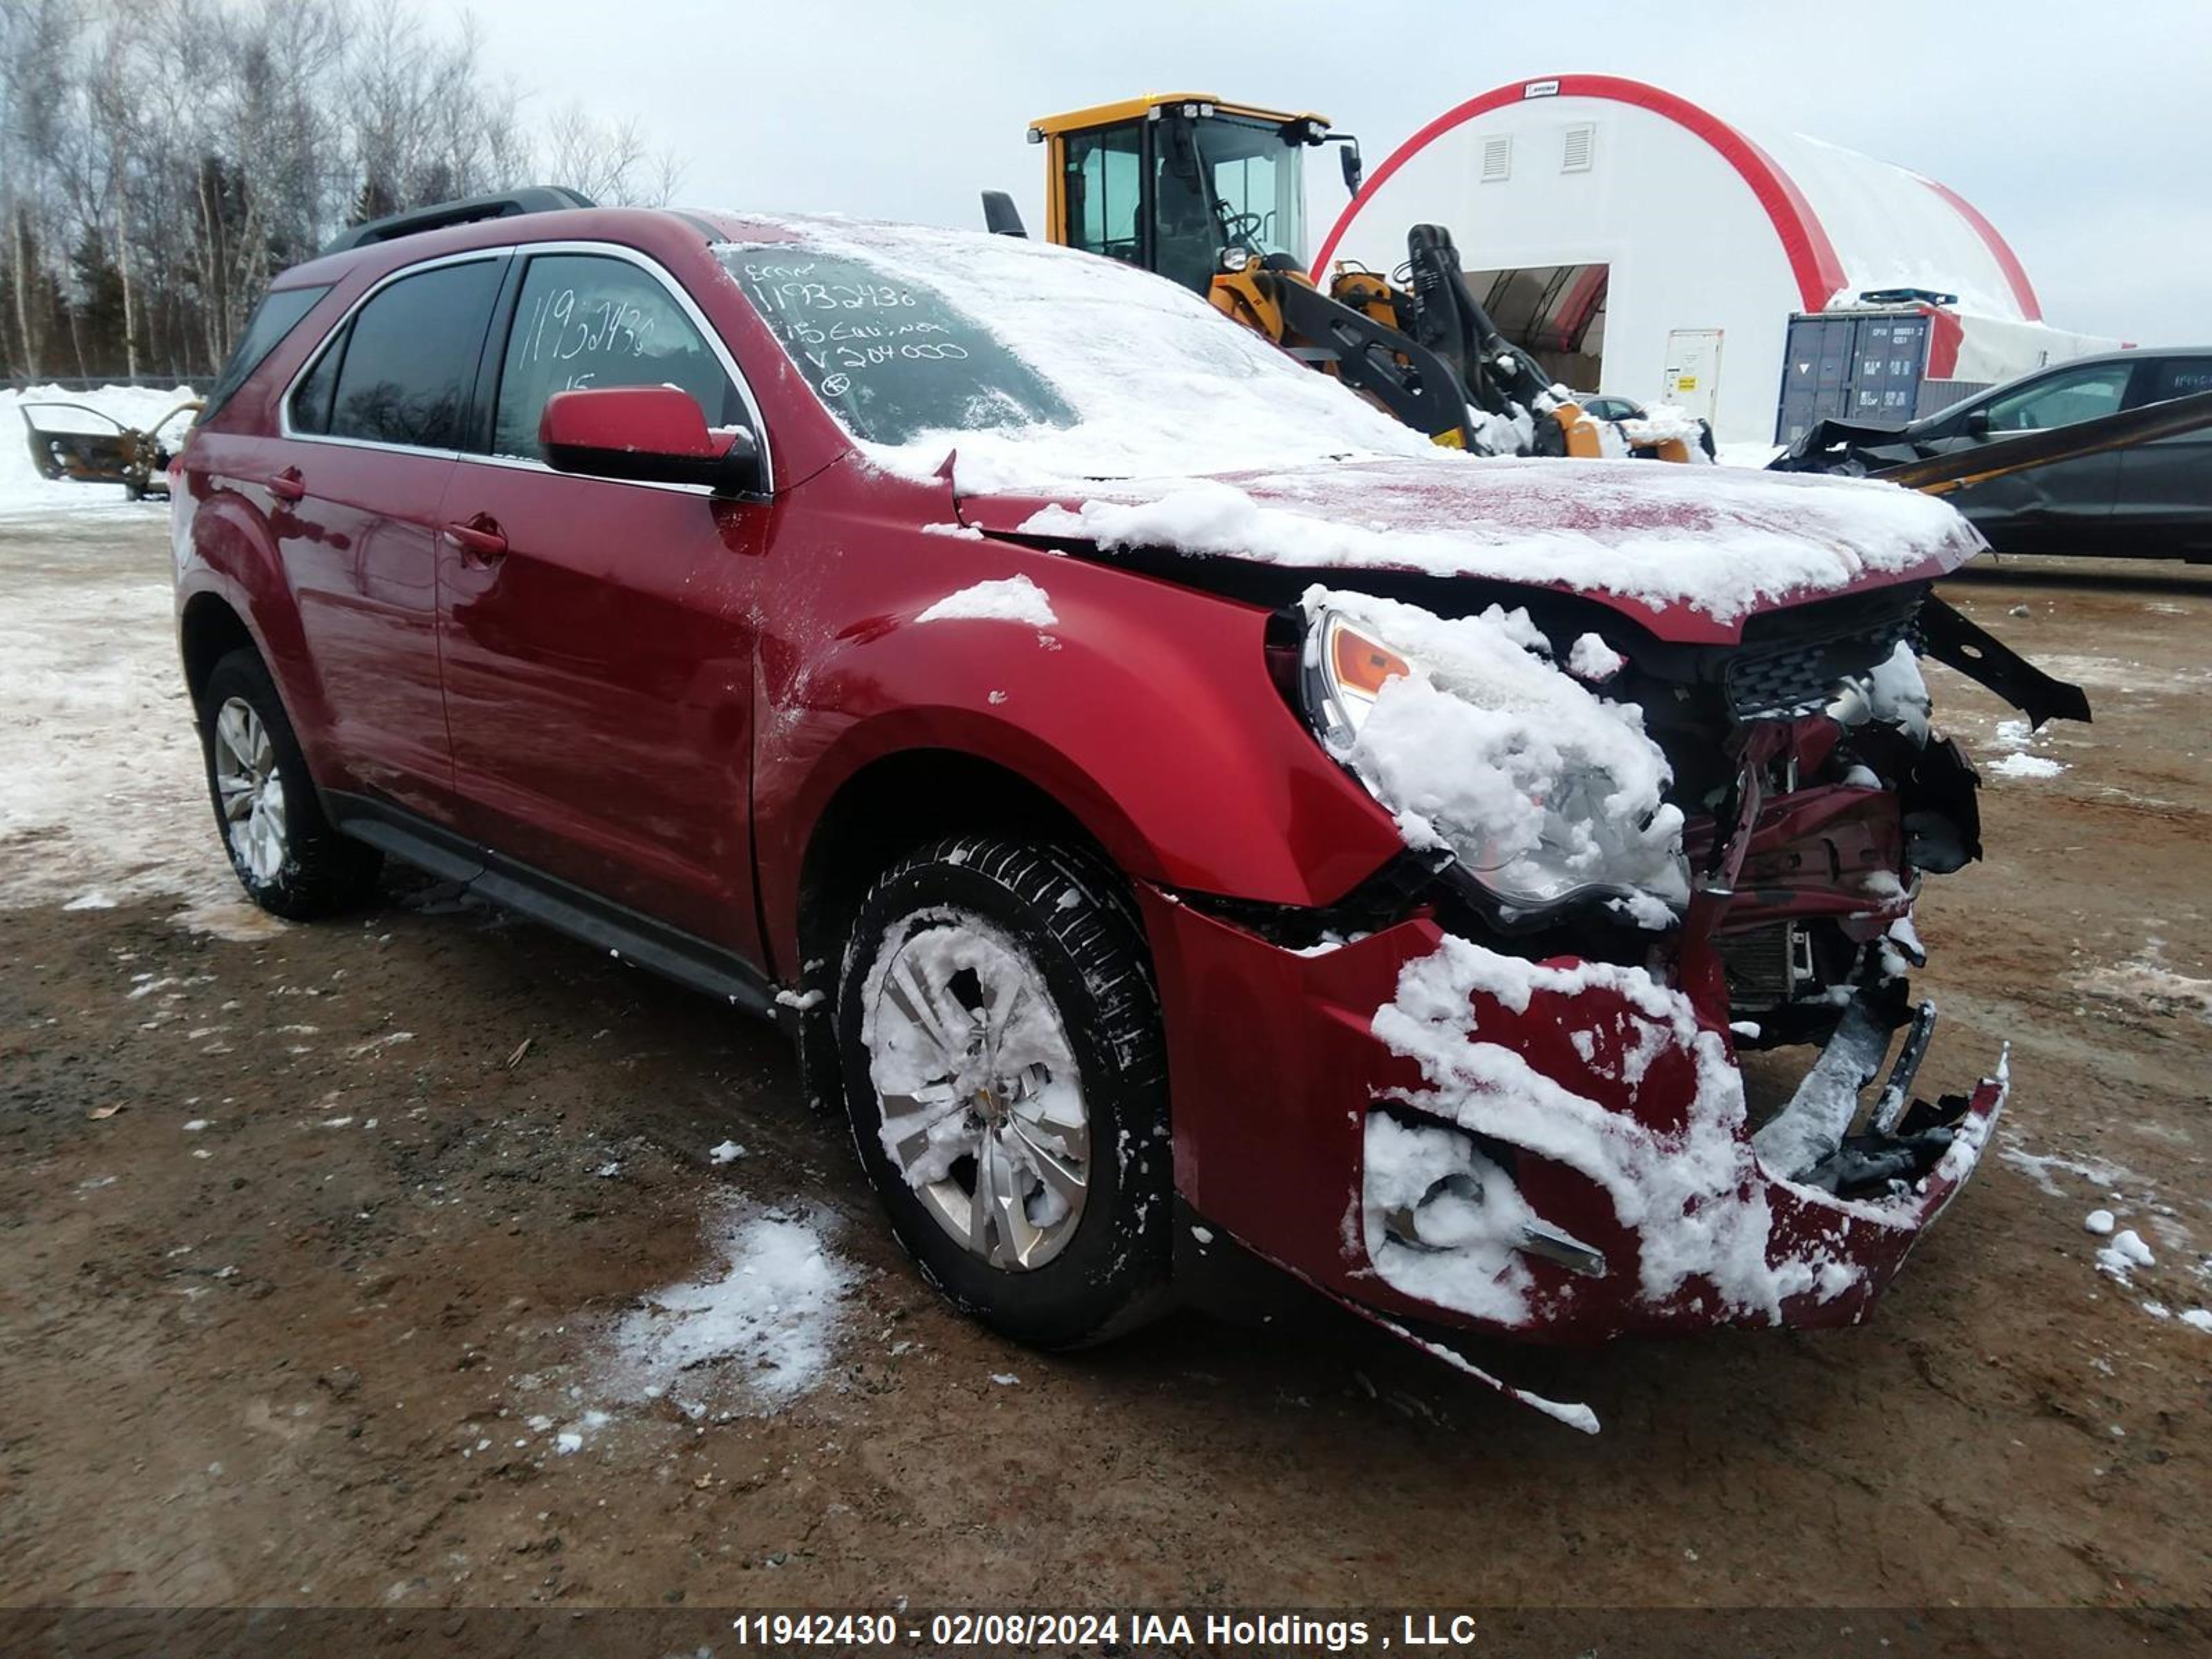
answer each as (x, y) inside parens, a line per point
(1642, 246)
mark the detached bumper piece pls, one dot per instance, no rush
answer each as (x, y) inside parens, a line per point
(1809, 1141)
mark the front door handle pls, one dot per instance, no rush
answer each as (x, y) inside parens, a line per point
(480, 540)
(288, 485)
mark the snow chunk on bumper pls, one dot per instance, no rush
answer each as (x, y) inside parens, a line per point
(1678, 1170)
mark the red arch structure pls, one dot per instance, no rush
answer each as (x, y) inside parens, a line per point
(1813, 258)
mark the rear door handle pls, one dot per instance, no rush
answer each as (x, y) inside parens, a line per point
(480, 540)
(288, 485)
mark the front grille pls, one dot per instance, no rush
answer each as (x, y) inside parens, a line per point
(1783, 682)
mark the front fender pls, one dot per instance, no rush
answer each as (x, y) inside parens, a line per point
(1146, 710)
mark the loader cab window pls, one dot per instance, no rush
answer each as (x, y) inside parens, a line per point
(1105, 192)
(1258, 183)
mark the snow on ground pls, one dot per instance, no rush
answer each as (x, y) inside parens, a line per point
(2019, 738)
(756, 1329)
(2130, 1204)
(22, 490)
(2149, 983)
(105, 800)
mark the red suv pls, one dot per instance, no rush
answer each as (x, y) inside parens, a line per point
(1162, 796)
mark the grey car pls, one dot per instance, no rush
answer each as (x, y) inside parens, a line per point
(2150, 501)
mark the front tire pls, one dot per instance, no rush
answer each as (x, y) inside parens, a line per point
(286, 854)
(1000, 1040)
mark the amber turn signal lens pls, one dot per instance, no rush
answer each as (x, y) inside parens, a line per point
(1362, 664)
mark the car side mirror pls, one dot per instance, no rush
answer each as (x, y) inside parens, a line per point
(1978, 423)
(645, 435)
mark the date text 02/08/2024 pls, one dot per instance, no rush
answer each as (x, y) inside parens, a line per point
(989, 1632)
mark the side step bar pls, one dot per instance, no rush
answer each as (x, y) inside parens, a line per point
(599, 922)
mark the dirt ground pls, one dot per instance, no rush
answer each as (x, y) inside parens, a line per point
(296, 1355)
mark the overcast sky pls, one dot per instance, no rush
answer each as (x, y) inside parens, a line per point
(2083, 131)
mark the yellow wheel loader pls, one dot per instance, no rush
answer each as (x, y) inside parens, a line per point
(1211, 195)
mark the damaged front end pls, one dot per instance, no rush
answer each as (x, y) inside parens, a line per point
(1566, 1060)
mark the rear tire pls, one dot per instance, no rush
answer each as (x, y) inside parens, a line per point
(995, 1001)
(286, 854)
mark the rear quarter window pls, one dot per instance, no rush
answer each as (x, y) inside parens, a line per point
(2181, 377)
(276, 316)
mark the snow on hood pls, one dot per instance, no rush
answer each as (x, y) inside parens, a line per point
(1718, 543)
(1145, 417)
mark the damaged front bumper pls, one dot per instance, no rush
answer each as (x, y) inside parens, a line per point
(1560, 1151)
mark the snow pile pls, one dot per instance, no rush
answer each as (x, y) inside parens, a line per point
(22, 489)
(1488, 749)
(1591, 659)
(1723, 542)
(1692, 1195)
(2125, 1254)
(1892, 693)
(1015, 599)
(1662, 423)
(2018, 736)
(759, 1325)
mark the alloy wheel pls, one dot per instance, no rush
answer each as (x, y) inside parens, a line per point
(251, 789)
(983, 1113)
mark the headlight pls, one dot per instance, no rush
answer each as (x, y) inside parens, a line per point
(1465, 731)
(1354, 670)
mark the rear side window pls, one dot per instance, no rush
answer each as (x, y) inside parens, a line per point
(2080, 394)
(277, 315)
(2180, 377)
(584, 319)
(404, 370)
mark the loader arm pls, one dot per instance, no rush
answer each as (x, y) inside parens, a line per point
(1408, 379)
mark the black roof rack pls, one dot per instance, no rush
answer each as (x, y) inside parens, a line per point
(531, 198)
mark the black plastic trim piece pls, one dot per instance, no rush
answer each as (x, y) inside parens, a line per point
(1957, 643)
(582, 914)
(531, 198)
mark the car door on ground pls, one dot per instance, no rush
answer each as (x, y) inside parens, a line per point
(597, 634)
(2164, 508)
(2060, 508)
(373, 427)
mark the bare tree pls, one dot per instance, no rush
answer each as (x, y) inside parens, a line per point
(609, 161)
(161, 160)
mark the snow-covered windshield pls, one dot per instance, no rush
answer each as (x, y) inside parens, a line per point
(1042, 366)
